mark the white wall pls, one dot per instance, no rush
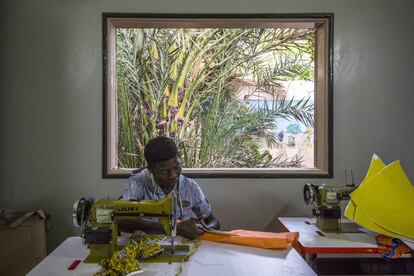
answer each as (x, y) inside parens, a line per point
(51, 103)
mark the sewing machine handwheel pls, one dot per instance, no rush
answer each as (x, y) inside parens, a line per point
(80, 212)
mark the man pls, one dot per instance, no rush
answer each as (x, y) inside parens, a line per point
(162, 177)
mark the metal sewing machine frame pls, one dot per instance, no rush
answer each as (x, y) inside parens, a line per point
(99, 223)
(326, 200)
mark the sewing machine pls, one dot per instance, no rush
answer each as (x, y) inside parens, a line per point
(99, 223)
(326, 204)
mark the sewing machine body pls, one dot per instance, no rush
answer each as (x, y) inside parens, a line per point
(326, 204)
(99, 221)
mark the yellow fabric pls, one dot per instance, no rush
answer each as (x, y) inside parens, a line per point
(365, 222)
(259, 239)
(350, 211)
(122, 262)
(374, 168)
(388, 199)
(384, 201)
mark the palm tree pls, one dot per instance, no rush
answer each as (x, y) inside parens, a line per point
(178, 82)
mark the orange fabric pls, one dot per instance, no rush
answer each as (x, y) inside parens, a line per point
(390, 247)
(259, 239)
(384, 240)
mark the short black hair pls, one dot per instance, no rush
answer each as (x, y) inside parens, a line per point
(160, 149)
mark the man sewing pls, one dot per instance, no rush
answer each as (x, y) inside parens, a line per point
(162, 177)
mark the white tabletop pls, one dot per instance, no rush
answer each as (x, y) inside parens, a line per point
(311, 240)
(211, 258)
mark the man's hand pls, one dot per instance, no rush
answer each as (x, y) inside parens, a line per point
(211, 222)
(188, 229)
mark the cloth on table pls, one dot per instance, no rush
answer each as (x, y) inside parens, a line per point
(267, 240)
(391, 248)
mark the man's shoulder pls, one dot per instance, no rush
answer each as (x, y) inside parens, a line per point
(139, 176)
(188, 182)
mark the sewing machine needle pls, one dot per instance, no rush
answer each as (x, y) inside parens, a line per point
(172, 244)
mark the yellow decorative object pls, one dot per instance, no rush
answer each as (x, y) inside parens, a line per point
(141, 247)
(148, 245)
(122, 262)
(384, 201)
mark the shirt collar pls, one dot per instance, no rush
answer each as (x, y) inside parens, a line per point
(155, 188)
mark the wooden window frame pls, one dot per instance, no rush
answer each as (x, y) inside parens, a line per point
(323, 144)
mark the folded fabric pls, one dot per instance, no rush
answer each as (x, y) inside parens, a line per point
(355, 214)
(383, 202)
(259, 239)
(367, 223)
(351, 209)
(391, 248)
(375, 167)
(387, 199)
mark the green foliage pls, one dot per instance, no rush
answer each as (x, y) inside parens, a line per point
(178, 83)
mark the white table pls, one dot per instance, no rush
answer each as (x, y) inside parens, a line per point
(211, 258)
(350, 253)
(314, 241)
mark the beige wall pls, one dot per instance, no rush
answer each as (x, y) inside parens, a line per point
(51, 103)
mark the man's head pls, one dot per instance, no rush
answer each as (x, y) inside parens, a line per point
(161, 154)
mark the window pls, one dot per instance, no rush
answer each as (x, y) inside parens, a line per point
(242, 95)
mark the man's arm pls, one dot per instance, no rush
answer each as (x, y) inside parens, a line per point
(212, 222)
(150, 227)
(187, 229)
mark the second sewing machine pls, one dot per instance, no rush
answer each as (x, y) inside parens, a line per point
(326, 204)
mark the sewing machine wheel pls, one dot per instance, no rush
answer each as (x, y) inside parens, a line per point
(309, 194)
(81, 209)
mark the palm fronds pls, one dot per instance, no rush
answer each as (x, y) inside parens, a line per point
(177, 82)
